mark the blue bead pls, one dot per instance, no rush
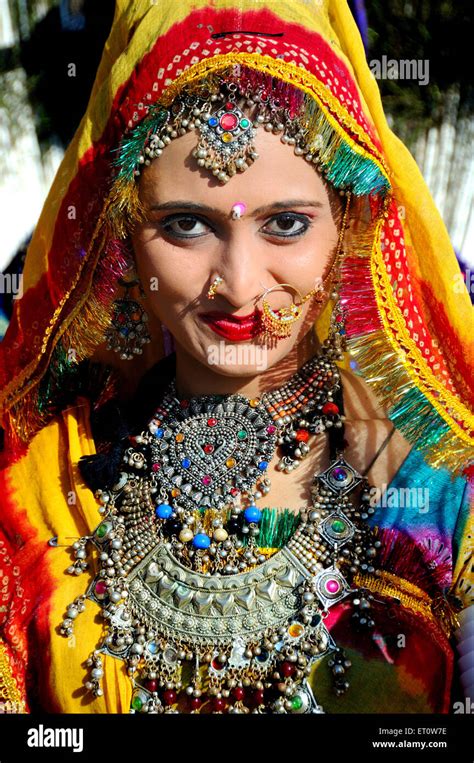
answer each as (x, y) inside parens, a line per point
(186, 463)
(342, 331)
(263, 465)
(159, 433)
(201, 540)
(252, 514)
(163, 511)
(213, 121)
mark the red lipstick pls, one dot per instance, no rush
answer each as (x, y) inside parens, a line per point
(235, 328)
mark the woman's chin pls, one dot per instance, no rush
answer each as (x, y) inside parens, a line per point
(238, 359)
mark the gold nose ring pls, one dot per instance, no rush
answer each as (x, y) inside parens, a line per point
(214, 286)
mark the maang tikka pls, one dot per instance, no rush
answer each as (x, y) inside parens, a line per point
(128, 332)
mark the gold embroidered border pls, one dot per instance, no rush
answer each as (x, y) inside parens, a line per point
(416, 367)
(16, 382)
(295, 75)
(409, 595)
(11, 700)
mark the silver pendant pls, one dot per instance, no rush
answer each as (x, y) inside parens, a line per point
(211, 452)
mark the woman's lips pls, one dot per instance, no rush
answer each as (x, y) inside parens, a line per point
(235, 328)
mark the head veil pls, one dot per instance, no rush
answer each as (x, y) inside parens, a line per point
(409, 325)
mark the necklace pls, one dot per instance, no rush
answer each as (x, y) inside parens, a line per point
(199, 617)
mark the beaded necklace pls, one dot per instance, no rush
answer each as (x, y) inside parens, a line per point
(204, 620)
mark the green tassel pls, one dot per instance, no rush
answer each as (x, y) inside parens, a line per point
(63, 372)
(348, 169)
(276, 528)
(133, 143)
(414, 415)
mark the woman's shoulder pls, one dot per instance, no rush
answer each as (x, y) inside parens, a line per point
(367, 427)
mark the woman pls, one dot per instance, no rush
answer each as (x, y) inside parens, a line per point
(252, 527)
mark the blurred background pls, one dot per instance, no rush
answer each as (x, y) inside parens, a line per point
(50, 50)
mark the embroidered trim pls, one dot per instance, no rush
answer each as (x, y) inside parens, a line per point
(11, 700)
(295, 75)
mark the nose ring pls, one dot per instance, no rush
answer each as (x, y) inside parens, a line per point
(214, 286)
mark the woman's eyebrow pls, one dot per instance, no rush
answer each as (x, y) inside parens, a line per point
(196, 207)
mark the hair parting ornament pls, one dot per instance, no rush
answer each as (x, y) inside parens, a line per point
(226, 109)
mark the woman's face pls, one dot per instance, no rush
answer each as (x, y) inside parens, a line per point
(288, 234)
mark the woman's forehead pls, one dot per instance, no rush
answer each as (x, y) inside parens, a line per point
(277, 173)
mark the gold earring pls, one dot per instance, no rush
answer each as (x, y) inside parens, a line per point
(214, 286)
(278, 323)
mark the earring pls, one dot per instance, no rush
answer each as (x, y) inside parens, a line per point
(214, 286)
(128, 332)
(278, 323)
(336, 338)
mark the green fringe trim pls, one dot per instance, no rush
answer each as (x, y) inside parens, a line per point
(407, 406)
(61, 379)
(350, 170)
(276, 528)
(133, 143)
(418, 420)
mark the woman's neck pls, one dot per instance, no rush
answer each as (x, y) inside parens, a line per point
(195, 378)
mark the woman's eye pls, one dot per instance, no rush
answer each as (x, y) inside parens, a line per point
(287, 225)
(284, 225)
(184, 226)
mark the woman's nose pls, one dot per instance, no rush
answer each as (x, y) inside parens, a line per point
(241, 268)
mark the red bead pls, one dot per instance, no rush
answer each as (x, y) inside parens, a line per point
(258, 696)
(169, 697)
(208, 448)
(211, 422)
(184, 403)
(287, 669)
(330, 408)
(196, 703)
(302, 435)
(229, 106)
(218, 704)
(152, 685)
(238, 693)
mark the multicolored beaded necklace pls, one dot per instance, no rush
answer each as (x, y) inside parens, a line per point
(206, 619)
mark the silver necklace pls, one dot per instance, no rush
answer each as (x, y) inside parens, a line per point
(237, 638)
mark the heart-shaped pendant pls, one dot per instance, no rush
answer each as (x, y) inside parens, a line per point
(214, 446)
